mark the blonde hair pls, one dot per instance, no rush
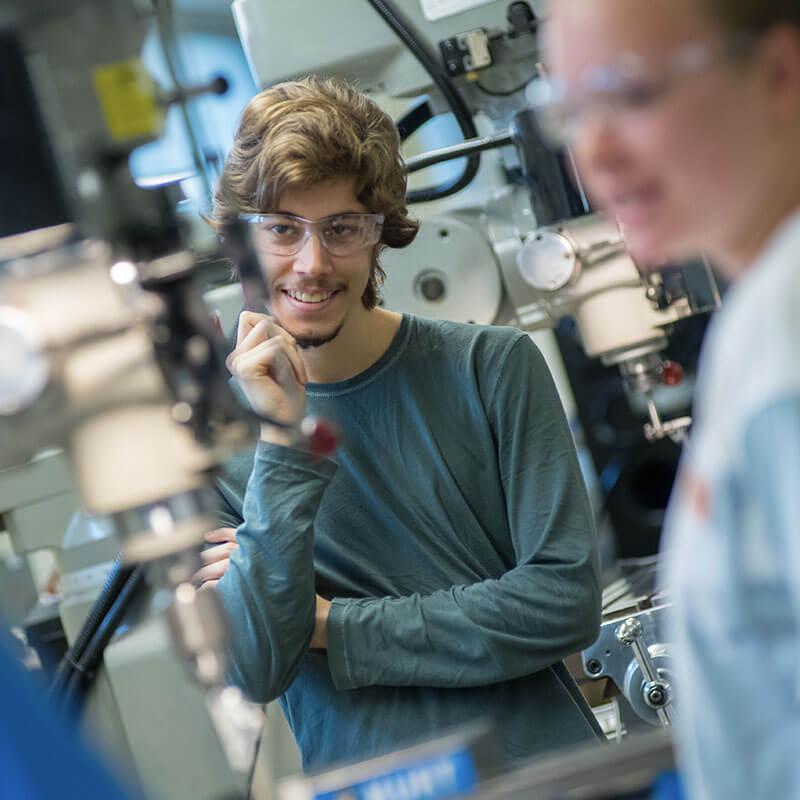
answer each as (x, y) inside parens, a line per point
(301, 133)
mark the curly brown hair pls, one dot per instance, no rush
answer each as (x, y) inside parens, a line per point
(301, 133)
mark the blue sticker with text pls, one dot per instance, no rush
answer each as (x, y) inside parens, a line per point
(426, 779)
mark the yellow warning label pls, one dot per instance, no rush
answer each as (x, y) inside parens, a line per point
(129, 101)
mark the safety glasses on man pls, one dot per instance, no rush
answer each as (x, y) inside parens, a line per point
(340, 234)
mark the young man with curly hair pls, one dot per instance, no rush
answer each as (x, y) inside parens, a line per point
(442, 564)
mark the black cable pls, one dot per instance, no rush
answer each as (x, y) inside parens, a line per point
(85, 668)
(114, 582)
(452, 96)
(414, 119)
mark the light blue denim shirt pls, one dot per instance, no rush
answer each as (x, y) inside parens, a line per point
(732, 544)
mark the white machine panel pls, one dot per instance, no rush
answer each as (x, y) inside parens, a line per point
(349, 39)
(438, 9)
(449, 272)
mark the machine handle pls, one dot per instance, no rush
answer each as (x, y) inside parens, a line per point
(656, 692)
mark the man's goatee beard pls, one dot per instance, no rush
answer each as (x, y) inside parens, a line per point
(307, 342)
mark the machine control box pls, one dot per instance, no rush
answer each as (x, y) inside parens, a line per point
(466, 52)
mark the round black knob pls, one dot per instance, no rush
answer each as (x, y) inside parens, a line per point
(432, 288)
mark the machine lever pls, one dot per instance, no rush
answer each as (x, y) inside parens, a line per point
(656, 692)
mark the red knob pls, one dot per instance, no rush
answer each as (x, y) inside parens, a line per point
(671, 373)
(322, 437)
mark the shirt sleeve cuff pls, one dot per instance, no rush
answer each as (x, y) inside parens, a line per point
(336, 638)
(278, 455)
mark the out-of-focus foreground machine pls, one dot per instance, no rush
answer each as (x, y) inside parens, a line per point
(513, 240)
(107, 351)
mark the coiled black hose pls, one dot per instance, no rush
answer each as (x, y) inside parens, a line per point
(405, 32)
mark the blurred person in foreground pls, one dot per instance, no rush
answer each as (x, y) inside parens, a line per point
(42, 755)
(684, 118)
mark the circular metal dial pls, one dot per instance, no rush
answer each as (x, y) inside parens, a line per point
(547, 261)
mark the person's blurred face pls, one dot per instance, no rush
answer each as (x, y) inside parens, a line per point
(681, 171)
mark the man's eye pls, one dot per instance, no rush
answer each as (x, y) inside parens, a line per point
(278, 229)
(346, 228)
(340, 229)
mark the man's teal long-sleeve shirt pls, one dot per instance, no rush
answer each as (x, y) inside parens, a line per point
(453, 534)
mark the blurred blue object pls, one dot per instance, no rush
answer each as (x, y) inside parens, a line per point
(42, 755)
(668, 786)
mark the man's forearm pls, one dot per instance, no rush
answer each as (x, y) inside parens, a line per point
(488, 632)
(268, 590)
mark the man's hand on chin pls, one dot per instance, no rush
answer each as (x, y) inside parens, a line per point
(319, 641)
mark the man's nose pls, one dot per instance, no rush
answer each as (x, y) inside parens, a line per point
(313, 258)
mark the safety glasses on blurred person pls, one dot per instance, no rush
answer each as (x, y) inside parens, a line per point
(340, 234)
(625, 88)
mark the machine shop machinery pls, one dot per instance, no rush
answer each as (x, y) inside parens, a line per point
(632, 650)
